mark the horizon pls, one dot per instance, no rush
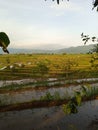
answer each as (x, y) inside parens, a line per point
(84, 49)
(50, 49)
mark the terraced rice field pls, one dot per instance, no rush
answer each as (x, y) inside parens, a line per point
(18, 66)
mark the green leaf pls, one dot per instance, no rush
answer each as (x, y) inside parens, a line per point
(4, 41)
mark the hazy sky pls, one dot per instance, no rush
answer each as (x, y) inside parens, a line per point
(38, 23)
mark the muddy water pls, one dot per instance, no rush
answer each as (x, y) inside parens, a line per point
(9, 82)
(52, 81)
(52, 119)
(48, 118)
(24, 96)
(17, 97)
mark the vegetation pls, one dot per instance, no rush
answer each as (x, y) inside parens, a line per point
(4, 41)
(40, 68)
(94, 50)
(58, 65)
(85, 93)
(70, 103)
(19, 66)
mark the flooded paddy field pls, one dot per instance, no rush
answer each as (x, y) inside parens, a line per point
(52, 118)
(47, 117)
(50, 81)
(32, 94)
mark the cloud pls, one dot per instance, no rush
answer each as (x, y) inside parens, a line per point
(68, 6)
(63, 7)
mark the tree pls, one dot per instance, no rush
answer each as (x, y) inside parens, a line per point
(95, 49)
(95, 4)
(94, 56)
(86, 38)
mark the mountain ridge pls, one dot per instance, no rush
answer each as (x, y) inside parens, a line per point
(69, 50)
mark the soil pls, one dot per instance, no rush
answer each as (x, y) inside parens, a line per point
(30, 105)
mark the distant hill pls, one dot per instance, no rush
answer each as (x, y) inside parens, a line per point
(78, 49)
(70, 50)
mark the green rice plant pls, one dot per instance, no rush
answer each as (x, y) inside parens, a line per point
(89, 91)
(42, 83)
(56, 95)
(47, 97)
(13, 86)
(66, 95)
(3, 101)
(83, 91)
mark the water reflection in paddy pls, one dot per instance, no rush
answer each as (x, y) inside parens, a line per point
(51, 119)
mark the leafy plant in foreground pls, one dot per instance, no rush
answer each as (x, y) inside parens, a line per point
(4, 41)
(74, 102)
